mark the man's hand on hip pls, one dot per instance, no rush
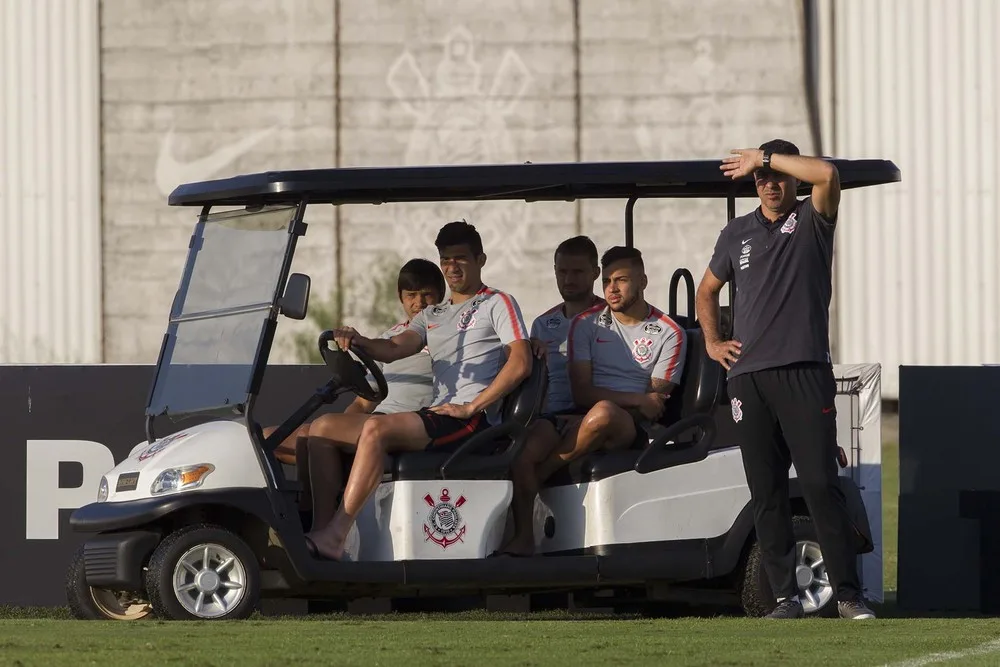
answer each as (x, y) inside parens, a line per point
(726, 352)
(651, 406)
(452, 410)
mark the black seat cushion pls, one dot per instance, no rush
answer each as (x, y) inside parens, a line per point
(491, 458)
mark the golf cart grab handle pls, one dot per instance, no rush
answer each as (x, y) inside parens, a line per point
(493, 433)
(652, 457)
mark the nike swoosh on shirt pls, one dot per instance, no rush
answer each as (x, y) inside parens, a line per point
(604, 341)
(746, 241)
(170, 172)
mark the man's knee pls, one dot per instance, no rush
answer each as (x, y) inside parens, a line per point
(602, 416)
(374, 432)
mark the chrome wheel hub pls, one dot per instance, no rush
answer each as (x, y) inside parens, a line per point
(815, 589)
(209, 580)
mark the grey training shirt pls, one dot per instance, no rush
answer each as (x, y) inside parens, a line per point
(625, 358)
(410, 381)
(552, 327)
(782, 272)
(466, 342)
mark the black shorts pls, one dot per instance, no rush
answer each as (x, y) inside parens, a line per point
(554, 418)
(449, 431)
(644, 430)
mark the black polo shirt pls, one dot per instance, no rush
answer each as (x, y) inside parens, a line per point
(782, 272)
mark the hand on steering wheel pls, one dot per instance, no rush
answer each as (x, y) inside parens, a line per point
(346, 370)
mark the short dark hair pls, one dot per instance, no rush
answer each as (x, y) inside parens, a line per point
(619, 253)
(780, 146)
(459, 233)
(418, 274)
(579, 246)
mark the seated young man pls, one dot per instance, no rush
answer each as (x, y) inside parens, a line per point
(467, 337)
(625, 360)
(317, 448)
(576, 270)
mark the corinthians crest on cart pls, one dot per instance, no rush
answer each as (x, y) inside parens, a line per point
(444, 525)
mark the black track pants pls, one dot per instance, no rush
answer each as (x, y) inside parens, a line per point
(786, 416)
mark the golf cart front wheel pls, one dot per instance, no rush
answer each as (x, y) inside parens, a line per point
(203, 572)
(814, 587)
(88, 603)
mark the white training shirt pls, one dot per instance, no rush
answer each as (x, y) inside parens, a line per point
(625, 358)
(466, 343)
(410, 380)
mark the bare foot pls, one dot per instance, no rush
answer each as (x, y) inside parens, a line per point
(323, 547)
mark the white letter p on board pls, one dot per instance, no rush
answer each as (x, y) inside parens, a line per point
(44, 498)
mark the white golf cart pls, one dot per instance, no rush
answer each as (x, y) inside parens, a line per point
(203, 522)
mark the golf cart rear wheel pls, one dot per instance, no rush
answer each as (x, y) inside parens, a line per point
(99, 604)
(815, 590)
(203, 572)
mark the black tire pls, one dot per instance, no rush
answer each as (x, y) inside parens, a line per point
(160, 573)
(94, 604)
(754, 589)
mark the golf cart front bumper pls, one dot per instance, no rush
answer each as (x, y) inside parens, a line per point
(111, 516)
(115, 560)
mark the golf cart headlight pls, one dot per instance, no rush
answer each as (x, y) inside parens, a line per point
(180, 479)
(102, 491)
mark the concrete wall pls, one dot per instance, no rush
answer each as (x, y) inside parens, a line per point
(193, 89)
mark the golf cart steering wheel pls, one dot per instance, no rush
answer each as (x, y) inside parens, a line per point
(350, 373)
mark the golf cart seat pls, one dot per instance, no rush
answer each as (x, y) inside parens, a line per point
(489, 454)
(701, 385)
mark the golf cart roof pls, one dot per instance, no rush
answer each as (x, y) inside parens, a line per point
(527, 182)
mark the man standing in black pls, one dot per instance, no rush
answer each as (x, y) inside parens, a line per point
(780, 376)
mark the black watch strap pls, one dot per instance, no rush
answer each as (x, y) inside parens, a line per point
(767, 159)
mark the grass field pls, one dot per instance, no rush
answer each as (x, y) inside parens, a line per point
(47, 637)
(479, 638)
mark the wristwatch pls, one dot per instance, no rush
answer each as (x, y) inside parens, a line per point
(767, 159)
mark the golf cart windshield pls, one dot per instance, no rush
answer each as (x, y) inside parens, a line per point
(221, 310)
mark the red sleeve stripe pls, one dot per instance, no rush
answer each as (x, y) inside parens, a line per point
(680, 337)
(512, 314)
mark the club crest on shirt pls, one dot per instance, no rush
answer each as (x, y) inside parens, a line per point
(439, 309)
(642, 349)
(790, 224)
(737, 409)
(467, 320)
(605, 319)
(653, 329)
(553, 323)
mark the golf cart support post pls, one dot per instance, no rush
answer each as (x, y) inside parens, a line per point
(624, 557)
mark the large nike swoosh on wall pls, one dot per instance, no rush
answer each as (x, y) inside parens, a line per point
(170, 173)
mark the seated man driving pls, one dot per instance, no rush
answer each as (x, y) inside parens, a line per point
(318, 446)
(467, 337)
(625, 360)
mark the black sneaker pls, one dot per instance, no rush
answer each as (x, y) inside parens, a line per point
(855, 609)
(788, 609)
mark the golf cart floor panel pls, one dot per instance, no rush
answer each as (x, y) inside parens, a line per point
(502, 571)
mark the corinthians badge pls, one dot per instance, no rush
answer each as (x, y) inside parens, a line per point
(642, 349)
(444, 525)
